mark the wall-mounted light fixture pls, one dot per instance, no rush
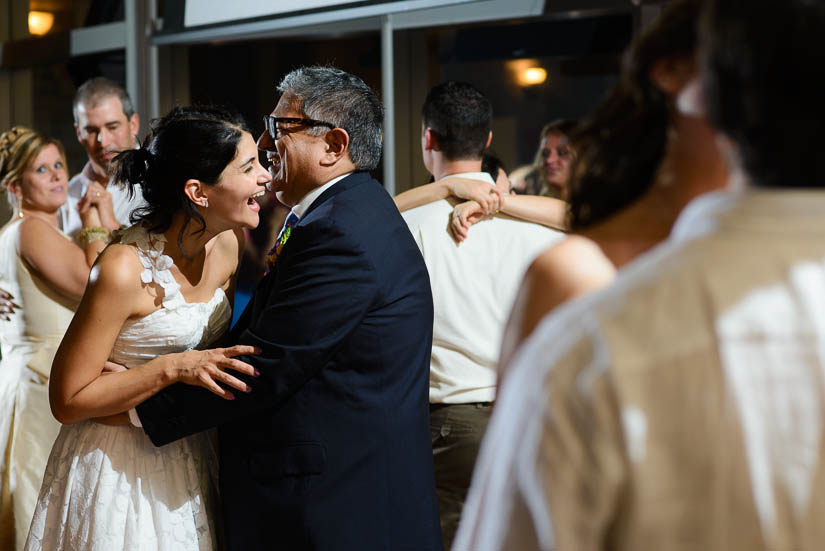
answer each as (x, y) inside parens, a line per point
(40, 22)
(527, 72)
(532, 76)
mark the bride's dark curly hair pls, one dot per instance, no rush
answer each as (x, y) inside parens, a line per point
(188, 143)
(619, 148)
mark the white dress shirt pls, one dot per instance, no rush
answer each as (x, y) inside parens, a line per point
(680, 409)
(68, 217)
(474, 286)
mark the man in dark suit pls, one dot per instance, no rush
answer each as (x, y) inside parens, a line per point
(331, 448)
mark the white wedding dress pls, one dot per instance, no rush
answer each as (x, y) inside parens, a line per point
(108, 487)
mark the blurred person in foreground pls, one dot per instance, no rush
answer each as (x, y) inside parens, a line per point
(473, 287)
(641, 157)
(682, 408)
(46, 272)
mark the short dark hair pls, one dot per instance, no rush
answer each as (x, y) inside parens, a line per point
(189, 142)
(460, 117)
(94, 90)
(337, 97)
(620, 146)
(764, 86)
(491, 165)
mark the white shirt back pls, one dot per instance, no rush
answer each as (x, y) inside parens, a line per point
(474, 286)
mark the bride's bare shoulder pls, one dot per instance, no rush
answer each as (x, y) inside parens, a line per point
(118, 269)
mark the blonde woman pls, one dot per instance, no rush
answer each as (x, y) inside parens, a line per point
(46, 273)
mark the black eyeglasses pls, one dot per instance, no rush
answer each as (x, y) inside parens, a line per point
(271, 124)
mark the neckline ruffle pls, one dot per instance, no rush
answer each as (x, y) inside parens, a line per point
(156, 265)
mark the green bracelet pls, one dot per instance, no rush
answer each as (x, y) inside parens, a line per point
(92, 233)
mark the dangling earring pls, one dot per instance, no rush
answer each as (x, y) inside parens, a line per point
(205, 203)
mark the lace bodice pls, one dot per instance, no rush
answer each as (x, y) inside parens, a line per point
(178, 325)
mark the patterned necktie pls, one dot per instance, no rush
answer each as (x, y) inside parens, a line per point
(286, 231)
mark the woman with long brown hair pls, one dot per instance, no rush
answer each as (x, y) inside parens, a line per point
(640, 158)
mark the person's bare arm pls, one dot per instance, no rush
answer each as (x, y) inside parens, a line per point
(531, 208)
(60, 262)
(79, 390)
(487, 196)
(536, 208)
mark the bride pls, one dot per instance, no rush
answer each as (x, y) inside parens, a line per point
(154, 295)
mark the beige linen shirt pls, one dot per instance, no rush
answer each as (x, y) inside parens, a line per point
(681, 409)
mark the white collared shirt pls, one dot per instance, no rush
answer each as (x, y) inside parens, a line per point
(474, 285)
(69, 218)
(682, 408)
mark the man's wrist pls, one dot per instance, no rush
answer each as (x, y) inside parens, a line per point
(170, 369)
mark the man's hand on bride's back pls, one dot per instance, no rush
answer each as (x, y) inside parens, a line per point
(207, 368)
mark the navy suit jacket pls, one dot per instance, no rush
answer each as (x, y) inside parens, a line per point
(331, 449)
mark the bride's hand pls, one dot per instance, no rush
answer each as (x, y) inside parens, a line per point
(208, 367)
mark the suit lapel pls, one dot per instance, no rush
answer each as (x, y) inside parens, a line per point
(260, 297)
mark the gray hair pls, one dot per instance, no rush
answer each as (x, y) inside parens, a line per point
(96, 89)
(334, 96)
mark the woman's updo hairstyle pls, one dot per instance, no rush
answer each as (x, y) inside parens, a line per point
(18, 148)
(620, 147)
(188, 143)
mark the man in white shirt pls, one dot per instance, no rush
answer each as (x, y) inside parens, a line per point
(683, 407)
(106, 124)
(474, 285)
